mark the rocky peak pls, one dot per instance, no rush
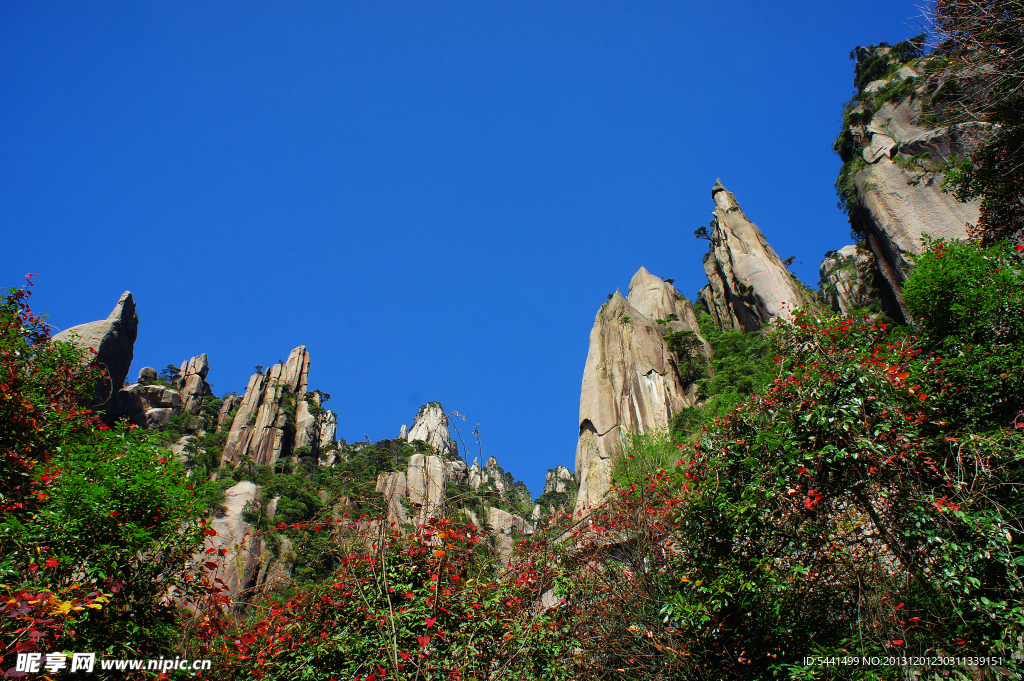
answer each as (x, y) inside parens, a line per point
(632, 379)
(192, 382)
(113, 342)
(748, 284)
(258, 430)
(431, 426)
(558, 479)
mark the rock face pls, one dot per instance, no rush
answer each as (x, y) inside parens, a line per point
(631, 379)
(847, 279)
(113, 342)
(558, 479)
(249, 564)
(260, 425)
(231, 402)
(560, 491)
(328, 428)
(506, 528)
(424, 485)
(420, 492)
(192, 382)
(896, 158)
(748, 284)
(431, 426)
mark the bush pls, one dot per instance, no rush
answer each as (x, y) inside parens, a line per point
(969, 303)
(98, 526)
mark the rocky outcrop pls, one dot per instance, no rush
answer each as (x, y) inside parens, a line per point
(507, 527)
(891, 180)
(231, 402)
(111, 343)
(424, 485)
(493, 477)
(431, 426)
(847, 279)
(748, 284)
(395, 487)
(632, 379)
(558, 479)
(262, 422)
(328, 428)
(192, 382)
(247, 564)
(560, 491)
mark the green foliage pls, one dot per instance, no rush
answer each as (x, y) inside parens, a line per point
(986, 39)
(641, 456)
(409, 607)
(299, 500)
(741, 365)
(969, 303)
(98, 526)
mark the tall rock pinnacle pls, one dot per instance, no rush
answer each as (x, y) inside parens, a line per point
(259, 428)
(632, 380)
(748, 284)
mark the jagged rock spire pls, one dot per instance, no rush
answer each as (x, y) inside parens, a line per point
(748, 284)
(258, 430)
(631, 378)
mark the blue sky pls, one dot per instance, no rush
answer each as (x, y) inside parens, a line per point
(434, 197)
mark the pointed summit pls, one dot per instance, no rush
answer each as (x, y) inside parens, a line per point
(748, 284)
(631, 379)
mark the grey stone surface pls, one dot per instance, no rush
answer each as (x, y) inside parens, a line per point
(111, 343)
(431, 426)
(846, 279)
(258, 430)
(631, 378)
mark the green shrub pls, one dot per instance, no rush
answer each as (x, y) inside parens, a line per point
(969, 303)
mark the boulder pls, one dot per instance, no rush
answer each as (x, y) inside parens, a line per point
(632, 380)
(147, 375)
(748, 284)
(456, 472)
(111, 342)
(157, 418)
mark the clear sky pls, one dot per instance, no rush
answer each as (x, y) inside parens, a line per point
(434, 197)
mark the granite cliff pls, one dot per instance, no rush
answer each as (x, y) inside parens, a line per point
(897, 137)
(748, 284)
(632, 378)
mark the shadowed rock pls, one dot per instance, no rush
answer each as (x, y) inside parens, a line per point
(112, 345)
